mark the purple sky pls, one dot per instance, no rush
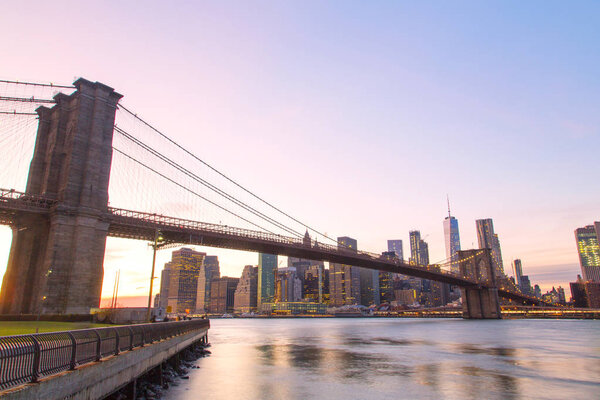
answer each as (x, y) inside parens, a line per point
(356, 117)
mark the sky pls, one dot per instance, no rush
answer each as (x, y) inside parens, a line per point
(357, 117)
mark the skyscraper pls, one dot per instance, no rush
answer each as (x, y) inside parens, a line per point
(316, 284)
(588, 239)
(489, 240)
(452, 240)
(246, 294)
(288, 287)
(396, 247)
(369, 286)
(419, 250)
(518, 270)
(184, 269)
(267, 269)
(165, 281)
(222, 295)
(344, 280)
(209, 271)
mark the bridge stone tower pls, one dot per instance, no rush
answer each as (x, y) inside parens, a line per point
(56, 262)
(479, 302)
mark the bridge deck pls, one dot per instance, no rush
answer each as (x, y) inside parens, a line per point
(142, 226)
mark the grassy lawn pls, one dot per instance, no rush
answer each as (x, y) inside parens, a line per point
(22, 327)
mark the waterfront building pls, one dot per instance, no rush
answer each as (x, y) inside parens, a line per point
(369, 286)
(489, 240)
(440, 292)
(288, 287)
(588, 239)
(452, 240)
(592, 291)
(386, 287)
(344, 280)
(386, 279)
(419, 255)
(316, 284)
(585, 294)
(396, 247)
(165, 281)
(517, 271)
(294, 308)
(184, 269)
(246, 293)
(267, 269)
(302, 266)
(561, 295)
(578, 295)
(222, 295)
(405, 297)
(419, 249)
(210, 270)
(525, 285)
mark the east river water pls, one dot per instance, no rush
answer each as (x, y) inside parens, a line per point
(373, 358)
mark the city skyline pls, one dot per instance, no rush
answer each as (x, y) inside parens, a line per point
(507, 128)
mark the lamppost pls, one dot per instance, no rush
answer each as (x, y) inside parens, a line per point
(158, 240)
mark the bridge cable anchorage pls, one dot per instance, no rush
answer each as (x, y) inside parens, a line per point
(191, 191)
(223, 175)
(208, 184)
(50, 84)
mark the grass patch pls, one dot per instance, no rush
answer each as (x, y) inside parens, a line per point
(8, 328)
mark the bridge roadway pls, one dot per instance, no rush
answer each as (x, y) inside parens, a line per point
(14, 206)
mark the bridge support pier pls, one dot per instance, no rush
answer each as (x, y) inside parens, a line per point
(56, 261)
(479, 302)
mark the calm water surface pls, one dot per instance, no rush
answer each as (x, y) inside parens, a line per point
(396, 358)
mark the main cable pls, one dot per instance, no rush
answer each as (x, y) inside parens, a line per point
(39, 84)
(206, 183)
(223, 175)
(189, 190)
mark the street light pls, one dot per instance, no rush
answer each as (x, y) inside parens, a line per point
(158, 240)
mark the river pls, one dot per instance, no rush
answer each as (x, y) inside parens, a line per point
(377, 358)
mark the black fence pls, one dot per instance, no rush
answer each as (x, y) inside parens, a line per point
(27, 358)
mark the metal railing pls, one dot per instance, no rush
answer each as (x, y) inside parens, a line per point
(27, 358)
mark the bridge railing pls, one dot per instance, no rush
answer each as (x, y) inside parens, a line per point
(27, 358)
(24, 201)
(151, 221)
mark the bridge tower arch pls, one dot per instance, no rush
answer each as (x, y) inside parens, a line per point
(479, 302)
(56, 261)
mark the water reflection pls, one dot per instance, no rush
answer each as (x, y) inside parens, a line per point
(380, 359)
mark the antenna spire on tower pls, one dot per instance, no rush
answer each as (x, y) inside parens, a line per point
(448, 200)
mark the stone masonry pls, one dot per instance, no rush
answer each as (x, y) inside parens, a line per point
(56, 261)
(479, 302)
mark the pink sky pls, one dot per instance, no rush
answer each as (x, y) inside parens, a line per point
(356, 118)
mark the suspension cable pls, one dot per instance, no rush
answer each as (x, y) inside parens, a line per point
(223, 175)
(27, 99)
(17, 113)
(38, 84)
(189, 190)
(206, 183)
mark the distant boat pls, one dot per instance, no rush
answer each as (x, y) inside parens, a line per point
(227, 316)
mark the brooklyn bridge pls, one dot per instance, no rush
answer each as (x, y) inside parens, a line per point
(62, 217)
